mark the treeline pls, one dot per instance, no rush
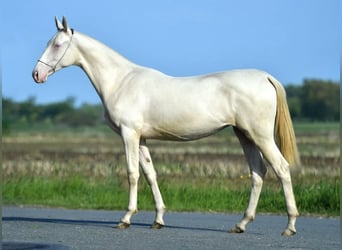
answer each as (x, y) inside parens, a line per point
(65, 113)
(314, 100)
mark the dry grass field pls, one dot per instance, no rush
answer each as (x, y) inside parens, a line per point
(101, 154)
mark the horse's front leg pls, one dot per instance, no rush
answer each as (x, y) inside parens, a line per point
(151, 176)
(131, 142)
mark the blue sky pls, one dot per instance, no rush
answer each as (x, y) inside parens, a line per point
(291, 39)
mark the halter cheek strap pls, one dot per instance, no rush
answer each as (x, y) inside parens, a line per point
(54, 67)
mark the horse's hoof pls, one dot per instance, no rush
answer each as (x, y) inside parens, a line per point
(236, 230)
(288, 232)
(157, 225)
(123, 225)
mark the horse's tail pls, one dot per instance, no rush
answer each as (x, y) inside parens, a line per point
(284, 132)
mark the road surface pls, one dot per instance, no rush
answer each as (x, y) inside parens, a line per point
(45, 228)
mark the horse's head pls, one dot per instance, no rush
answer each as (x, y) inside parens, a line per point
(59, 53)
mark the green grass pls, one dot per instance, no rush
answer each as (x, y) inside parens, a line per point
(72, 192)
(43, 129)
(103, 129)
(180, 195)
(316, 127)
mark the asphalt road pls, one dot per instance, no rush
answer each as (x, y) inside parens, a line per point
(42, 228)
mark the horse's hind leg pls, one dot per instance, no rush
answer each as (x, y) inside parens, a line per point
(281, 169)
(258, 172)
(151, 177)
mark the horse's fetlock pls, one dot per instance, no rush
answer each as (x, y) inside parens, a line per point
(249, 217)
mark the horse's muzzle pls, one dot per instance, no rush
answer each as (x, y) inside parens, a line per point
(39, 78)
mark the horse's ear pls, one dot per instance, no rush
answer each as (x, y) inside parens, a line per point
(59, 25)
(65, 24)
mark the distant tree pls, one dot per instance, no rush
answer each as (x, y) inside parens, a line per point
(28, 110)
(320, 100)
(56, 111)
(86, 115)
(293, 93)
(9, 108)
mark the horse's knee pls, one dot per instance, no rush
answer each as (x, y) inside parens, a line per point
(133, 178)
(150, 175)
(151, 179)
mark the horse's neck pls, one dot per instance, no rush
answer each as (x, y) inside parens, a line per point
(102, 65)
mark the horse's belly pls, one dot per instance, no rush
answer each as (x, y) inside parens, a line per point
(185, 132)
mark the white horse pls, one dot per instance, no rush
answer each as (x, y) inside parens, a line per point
(142, 103)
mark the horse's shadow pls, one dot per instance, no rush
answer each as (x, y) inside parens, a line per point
(9, 245)
(108, 224)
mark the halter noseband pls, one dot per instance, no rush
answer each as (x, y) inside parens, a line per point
(54, 67)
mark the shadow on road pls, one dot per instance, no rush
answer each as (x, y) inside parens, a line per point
(111, 224)
(31, 246)
(62, 221)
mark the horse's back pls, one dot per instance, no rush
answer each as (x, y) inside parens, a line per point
(194, 107)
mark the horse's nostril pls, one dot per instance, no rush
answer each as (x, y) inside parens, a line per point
(35, 75)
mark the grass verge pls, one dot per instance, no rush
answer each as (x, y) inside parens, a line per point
(213, 195)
